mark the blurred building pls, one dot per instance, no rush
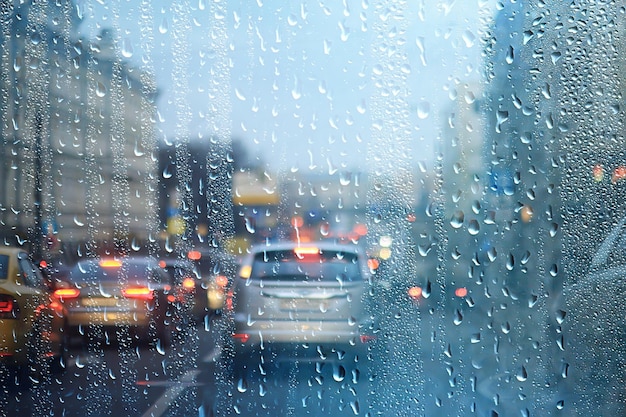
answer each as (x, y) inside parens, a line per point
(77, 132)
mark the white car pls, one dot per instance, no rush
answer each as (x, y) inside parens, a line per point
(305, 301)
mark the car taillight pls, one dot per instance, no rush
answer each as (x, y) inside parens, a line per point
(229, 300)
(460, 292)
(365, 338)
(66, 293)
(189, 283)
(8, 307)
(415, 293)
(139, 293)
(241, 337)
(221, 281)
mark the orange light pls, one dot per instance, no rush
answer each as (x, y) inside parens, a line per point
(229, 300)
(373, 264)
(189, 283)
(162, 263)
(110, 263)
(43, 264)
(194, 255)
(460, 292)
(66, 293)
(618, 174)
(309, 250)
(598, 173)
(171, 298)
(221, 281)
(415, 292)
(360, 229)
(245, 271)
(141, 293)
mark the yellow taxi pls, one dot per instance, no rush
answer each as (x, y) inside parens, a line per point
(32, 336)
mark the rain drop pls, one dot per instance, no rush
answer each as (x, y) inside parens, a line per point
(339, 373)
(242, 385)
(522, 374)
(423, 110)
(127, 48)
(457, 220)
(101, 90)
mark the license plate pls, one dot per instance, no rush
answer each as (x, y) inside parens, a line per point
(304, 305)
(99, 302)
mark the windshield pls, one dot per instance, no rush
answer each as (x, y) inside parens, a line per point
(468, 154)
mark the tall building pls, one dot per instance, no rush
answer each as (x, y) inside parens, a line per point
(77, 133)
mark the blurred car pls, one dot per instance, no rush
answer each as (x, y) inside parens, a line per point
(305, 299)
(32, 321)
(217, 269)
(201, 295)
(119, 292)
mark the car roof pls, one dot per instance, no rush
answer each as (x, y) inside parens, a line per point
(289, 245)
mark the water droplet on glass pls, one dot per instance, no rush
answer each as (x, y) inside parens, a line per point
(510, 55)
(242, 385)
(250, 225)
(423, 110)
(473, 227)
(127, 48)
(339, 372)
(458, 317)
(164, 26)
(101, 90)
(521, 374)
(457, 220)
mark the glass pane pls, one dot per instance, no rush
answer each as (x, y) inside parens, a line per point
(365, 207)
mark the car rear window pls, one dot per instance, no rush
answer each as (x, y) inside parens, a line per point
(287, 265)
(92, 271)
(4, 266)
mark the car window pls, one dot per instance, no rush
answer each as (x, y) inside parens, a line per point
(473, 151)
(325, 266)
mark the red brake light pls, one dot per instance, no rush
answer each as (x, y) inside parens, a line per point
(241, 337)
(373, 264)
(140, 293)
(460, 292)
(194, 255)
(66, 293)
(8, 307)
(221, 281)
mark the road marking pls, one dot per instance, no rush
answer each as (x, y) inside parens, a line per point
(173, 392)
(176, 387)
